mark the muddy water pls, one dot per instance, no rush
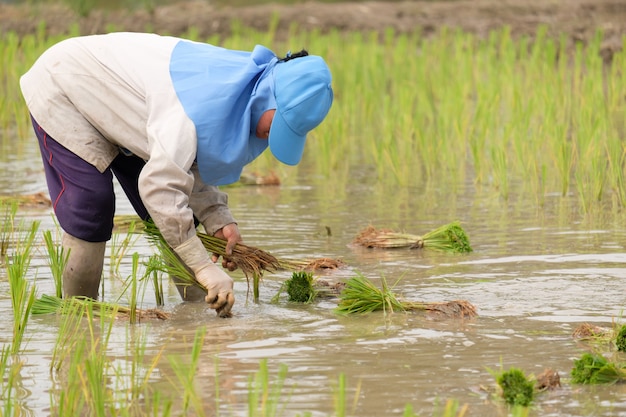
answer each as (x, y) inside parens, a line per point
(536, 273)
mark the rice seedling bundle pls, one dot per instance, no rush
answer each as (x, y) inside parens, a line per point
(447, 238)
(516, 388)
(48, 304)
(303, 287)
(361, 296)
(252, 261)
(596, 369)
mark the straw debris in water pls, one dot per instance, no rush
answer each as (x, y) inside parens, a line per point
(360, 296)
(447, 238)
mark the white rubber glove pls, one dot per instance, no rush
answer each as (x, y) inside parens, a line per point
(217, 282)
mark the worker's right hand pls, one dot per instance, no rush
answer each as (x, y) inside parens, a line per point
(217, 282)
(219, 285)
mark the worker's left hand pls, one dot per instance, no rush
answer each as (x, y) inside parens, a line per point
(230, 233)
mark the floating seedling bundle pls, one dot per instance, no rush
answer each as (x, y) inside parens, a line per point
(359, 295)
(447, 238)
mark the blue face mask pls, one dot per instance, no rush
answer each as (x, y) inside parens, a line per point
(224, 93)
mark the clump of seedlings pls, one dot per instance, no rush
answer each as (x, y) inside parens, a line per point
(516, 387)
(620, 339)
(596, 369)
(447, 238)
(361, 296)
(302, 287)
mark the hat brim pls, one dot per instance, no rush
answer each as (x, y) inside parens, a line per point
(285, 144)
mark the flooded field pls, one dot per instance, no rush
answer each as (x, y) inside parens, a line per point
(536, 273)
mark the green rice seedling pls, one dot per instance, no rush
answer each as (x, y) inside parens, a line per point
(133, 289)
(10, 383)
(516, 387)
(596, 369)
(94, 382)
(302, 287)
(339, 396)
(620, 339)
(447, 238)
(361, 296)
(186, 375)
(119, 249)
(22, 293)
(57, 259)
(6, 228)
(67, 397)
(452, 408)
(140, 375)
(266, 398)
(70, 333)
(153, 268)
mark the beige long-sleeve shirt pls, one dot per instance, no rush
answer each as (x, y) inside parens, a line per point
(97, 93)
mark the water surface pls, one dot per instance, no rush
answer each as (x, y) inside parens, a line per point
(536, 273)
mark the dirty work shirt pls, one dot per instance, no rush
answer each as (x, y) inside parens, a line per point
(95, 94)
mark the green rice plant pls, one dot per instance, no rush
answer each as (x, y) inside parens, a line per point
(22, 293)
(119, 249)
(264, 397)
(57, 259)
(596, 369)
(67, 396)
(132, 369)
(302, 287)
(83, 340)
(361, 296)
(11, 367)
(516, 387)
(70, 333)
(339, 396)
(620, 339)
(452, 408)
(6, 228)
(133, 289)
(81, 7)
(153, 268)
(186, 375)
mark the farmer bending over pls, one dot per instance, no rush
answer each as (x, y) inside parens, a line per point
(172, 120)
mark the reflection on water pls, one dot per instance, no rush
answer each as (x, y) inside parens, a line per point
(534, 275)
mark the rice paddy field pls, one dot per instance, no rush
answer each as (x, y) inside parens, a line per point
(520, 138)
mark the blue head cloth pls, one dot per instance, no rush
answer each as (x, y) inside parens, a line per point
(224, 93)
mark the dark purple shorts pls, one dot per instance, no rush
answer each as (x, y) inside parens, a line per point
(82, 197)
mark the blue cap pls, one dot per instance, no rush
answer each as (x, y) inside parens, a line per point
(303, 91)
